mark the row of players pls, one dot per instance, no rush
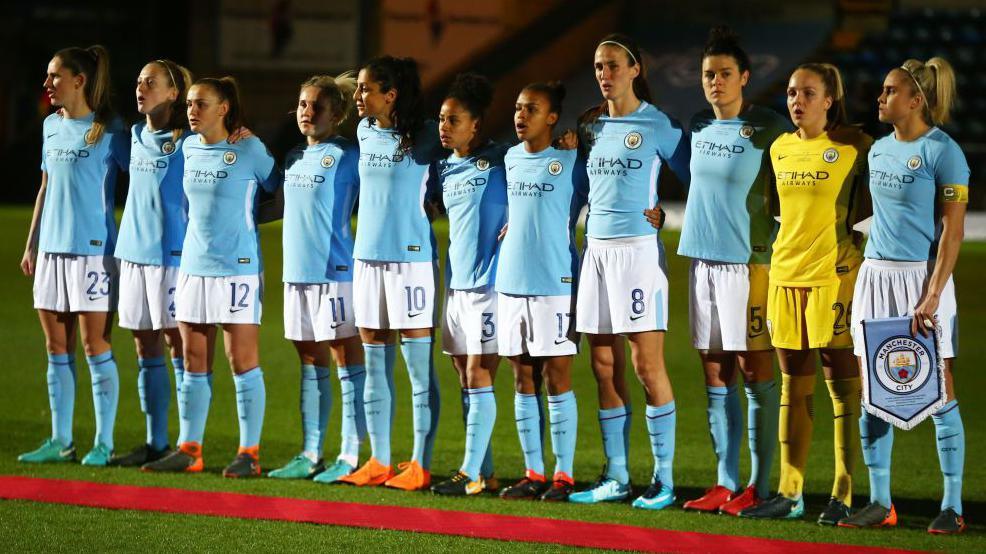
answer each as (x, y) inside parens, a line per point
(511, 289)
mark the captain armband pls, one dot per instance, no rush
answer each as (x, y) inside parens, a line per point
(954, 193)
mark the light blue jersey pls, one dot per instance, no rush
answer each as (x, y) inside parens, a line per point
(906, 180)
(474, 190)
(624, 158)
(153, 227)
(221, 182)
(393, 225)
(545, 192)
(78, 207)
(320, 186)
(728, 216)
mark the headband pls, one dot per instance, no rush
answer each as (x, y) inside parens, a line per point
(629, 53)
(927, 105)
(170, 74)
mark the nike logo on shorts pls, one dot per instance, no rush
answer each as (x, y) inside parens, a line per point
(754, 335)
(838, 331)
(334, 325)
(94, 298)
(233, 311)
(636, 317)
(483, 341)
(414, 315)
(562, 341)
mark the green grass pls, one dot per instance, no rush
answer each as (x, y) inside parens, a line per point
(24, 420)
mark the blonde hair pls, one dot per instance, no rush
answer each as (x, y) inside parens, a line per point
(934, 80)
(94, 63)
(338, 91)
(181, 78)
(832, 79)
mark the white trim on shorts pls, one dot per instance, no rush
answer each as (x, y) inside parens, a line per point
(394, 295)
(537, 325)
(470, 322)
(70, 283)
(235, 299)
(319, 311)
(718, 301)
(147, 296)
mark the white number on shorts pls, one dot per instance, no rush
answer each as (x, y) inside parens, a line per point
(341, 316)
(637, 301)
(103, 290)
(245, 289)
(563, 322)
(415, 298)
(489, 328)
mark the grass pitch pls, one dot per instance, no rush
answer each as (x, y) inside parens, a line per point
(24, 420)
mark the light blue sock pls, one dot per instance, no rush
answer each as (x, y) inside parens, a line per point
(660, 427)
(763, 406)
(316, 405)
(378, 398)
(479, 429)
(196, 395)
(351, 382)
(950, 439)
(563, 414)
(613, 424)
(154, 389)
(105, 395)
(251, 399)
(417, 354)
(734, 434)
(178, 364)
(61, 396)
(527, 415)
(486, 468)
(718, 399)
(877, 437)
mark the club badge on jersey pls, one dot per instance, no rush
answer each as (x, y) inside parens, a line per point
(904, 380)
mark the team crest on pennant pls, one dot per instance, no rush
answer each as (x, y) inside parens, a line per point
(633, 140)
(904, 377)
(830, 155)
(914, 163)
(168, 147)
(746, 131)
(554, 167)
(328, 161)
(229, 157)
(482, 164)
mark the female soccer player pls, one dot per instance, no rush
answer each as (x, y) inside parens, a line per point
(913, 247)
(70, 245)
(728, 232)
(150, 246)
(320, 186)
(394, 269)
(474, 190)
(820, 171)
(624, 288)
(220, 279)
(536, 274)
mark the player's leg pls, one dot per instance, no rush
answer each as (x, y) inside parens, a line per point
(563, 419)
(154, 390)
(315, 405)
(528, 417)
(349, 357)
(241, 342)
(96, 330)
(647, 356)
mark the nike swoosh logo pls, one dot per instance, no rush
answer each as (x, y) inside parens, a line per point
(635, 318)
(66, 452)
(563, 341)
(232, 311)
(483, 341)
(334, 325)
(511, 167)
(876, 154)
(839, 332)
(754, 335)
(94, 298)
(414, 315)
(363, 138)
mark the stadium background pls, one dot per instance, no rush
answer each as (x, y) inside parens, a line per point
(272, 45)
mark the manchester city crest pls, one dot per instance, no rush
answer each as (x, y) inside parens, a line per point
(482, 164)
(554, 167)
(229, 157)
(830, 155)
(328, 161)
(633, 140)
(746, 131)
(903, 364)
(914, 163)
(168, 148)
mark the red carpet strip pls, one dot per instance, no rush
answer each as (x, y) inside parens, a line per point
(423, 520)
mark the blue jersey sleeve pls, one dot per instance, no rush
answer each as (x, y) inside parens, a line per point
(268, 175)
(951, 167)
(120, 146)
(674, 148)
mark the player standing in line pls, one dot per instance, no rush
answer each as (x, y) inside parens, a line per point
(151, 235)
(394, 279)
(70, 246)
(624, 288)
(820, 170)
(321, 182)
(728, 231)
(536, 275)
(220, 279)
(474, 190)
(913, 247)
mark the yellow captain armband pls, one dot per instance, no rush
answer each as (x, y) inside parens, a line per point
(954, 193)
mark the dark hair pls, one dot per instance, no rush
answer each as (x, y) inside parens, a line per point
(723, 41)
(832, 79)
(640, 87)
(181, 78)
(228, 91)
(554, 91)
(94, 63)
(401, 74)
(473, 91)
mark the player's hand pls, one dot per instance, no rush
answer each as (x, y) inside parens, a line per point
(238, 135)
(28, 261)
(923, 320)
(655, 217)
(569, 140)
(503, 232)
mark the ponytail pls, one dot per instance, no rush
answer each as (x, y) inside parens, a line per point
(640, 86)
(837, 115)
(228, 92)
(401, 74)
(181, 78)
(934, 80)
(338, 91)
(94, 63)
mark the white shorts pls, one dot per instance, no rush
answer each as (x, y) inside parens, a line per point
(219, 300)
(727, 306)
(147, 296)
(318, 311)
(469, 325)
(892, 289)
(71, 283)
(536, 325)
(394, 295)
(623, 286)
